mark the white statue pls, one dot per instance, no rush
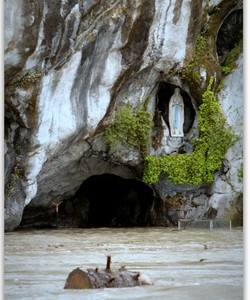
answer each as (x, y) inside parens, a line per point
(176, 114)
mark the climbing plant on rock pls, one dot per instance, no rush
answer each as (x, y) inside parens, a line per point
(130, 128)
(209, 150)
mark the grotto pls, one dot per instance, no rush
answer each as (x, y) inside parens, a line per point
(105, 200)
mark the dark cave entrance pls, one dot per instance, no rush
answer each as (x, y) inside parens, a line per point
(105, 200)
(166, 90)
(229, 35)
(109, 200)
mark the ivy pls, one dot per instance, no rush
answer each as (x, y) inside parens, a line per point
(201, 46)
(130, 128)
(191, 72)
(230, 62)
(209, 150)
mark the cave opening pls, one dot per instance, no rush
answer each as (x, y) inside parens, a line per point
(229, 34)
(105, 200)
(109, 200)
(166, 90)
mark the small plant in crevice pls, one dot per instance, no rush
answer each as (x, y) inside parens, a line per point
(29, 79)
(16, 174)
(131, 128)
(235, 212)
(240, 174)
(209, 150)
(230, 61)
(226, 70)
(173, 202)
(191, 72)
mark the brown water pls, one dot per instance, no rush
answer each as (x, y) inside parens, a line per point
(37, 262)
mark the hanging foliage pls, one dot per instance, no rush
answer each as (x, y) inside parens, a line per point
(130, 128)
(209, 150)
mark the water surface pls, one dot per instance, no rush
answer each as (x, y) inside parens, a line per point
(187, 264)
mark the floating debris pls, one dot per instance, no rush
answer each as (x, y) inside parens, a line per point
(96, 279)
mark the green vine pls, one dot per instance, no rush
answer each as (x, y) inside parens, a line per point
(209, 150)
(130, 128)
(230, 62)
(191, 72)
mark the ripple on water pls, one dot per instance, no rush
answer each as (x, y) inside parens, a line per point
(37, 262)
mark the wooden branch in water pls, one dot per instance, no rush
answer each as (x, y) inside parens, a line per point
(108, 263)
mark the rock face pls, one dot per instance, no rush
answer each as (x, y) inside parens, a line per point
(70, 66)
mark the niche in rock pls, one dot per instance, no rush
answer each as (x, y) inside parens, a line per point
(229, 34)
(105, 200)
(164, 98)
(109, 200)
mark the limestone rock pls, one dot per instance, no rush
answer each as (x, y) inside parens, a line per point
(71, 65)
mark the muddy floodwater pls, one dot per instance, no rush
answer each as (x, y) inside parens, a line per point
(192, 264)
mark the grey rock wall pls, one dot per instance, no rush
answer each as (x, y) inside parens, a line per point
(69, 65)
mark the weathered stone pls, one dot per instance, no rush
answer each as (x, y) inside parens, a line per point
(70, 65)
